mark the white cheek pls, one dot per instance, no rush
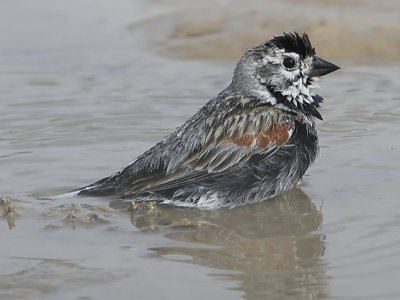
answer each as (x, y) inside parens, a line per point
(298, 91)
(291, 75)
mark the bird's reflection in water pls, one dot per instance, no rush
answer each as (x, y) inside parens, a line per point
(274, 245)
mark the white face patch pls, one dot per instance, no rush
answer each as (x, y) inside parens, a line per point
(290, 82)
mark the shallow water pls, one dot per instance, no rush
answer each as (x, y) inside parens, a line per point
(84, 90)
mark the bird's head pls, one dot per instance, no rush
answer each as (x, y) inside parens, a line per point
(281, 72)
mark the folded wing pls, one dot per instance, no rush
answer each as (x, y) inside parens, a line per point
(230, 142)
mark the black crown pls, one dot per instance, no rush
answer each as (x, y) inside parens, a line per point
(293, 42)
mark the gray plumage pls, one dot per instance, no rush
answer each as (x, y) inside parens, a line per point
(253, 141)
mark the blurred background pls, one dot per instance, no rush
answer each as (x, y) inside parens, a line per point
(361, 30)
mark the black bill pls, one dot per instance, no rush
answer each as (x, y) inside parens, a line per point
(322, 67)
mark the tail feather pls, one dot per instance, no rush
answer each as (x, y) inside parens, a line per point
(100, 188)
(98, 191)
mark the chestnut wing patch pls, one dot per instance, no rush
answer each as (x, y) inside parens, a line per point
(238, 140)
(277, 135)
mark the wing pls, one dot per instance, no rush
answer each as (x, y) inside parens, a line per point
(207, 148)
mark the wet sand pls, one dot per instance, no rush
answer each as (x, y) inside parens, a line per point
(86, 87)
(359, 30)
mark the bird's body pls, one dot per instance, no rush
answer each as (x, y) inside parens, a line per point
(253, 141)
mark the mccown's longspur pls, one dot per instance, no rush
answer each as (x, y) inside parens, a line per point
(253, 141)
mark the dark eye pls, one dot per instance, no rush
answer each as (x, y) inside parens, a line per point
(289, 63)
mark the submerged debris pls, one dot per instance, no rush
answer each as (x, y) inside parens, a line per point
(78, 215)
(8, 212)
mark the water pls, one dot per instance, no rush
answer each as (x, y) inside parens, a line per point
(87, 86)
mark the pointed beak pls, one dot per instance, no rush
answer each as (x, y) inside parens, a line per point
(322, 67)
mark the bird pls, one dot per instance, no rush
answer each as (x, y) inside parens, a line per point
(253, 141)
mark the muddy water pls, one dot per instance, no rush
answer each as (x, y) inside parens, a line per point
(85, 87)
